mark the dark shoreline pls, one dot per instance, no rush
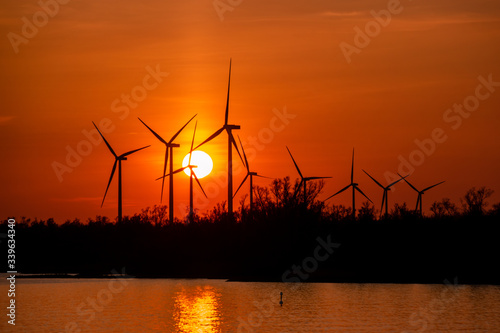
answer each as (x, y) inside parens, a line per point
(286, 245)
(353, 280)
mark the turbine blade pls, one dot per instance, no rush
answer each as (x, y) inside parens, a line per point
(342, 190)
(173, 173)
(235, 146)
(407, 182)
(313, 178)
(428, 188)
(199, 184)
(227, 102)
(107, 144)
(192, 143)
(211, 137)
(194, 133)
(296, 166)
(244, 179)
(352, 167)
(357, 189)
(263, 176)
(155, 134)
(397, 181)
(373, 178)
(179, 131)
(244, 155)
(133, 151)
(109, 182)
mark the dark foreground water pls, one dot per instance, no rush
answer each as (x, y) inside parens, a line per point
(140, 305)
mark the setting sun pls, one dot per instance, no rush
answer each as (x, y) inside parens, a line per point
(201, 160)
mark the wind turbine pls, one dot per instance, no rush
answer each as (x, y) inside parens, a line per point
(169, 146)
(386, 190)
(354, 189)
(303, 180)
(192, 175)
(118, 160)
(249, 174)
(420, 193)
(230, 143)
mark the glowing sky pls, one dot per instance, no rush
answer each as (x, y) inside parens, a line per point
(292, 84)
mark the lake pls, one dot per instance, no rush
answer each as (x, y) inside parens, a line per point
(164, 305)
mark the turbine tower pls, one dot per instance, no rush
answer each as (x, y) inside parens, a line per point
(118, 160)
(418, 207)
(169, 149)
(249, 174)
(386, 190)
(192, 175)
(355, 188)
(303, 180)
(230, 143)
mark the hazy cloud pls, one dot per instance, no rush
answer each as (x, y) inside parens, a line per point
(5, 119)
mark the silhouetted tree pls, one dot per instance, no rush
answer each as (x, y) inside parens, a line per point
(495, 211)
(366, 212)
(444, 208)
(218, 214)
(474, 202)
(313, 190)
(402, 212)
(281, 190)
(156, 215)
(339, 212)
(262, 199)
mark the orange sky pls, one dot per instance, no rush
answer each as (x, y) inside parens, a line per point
(286, 55)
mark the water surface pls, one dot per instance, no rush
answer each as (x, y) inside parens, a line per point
(160, 305)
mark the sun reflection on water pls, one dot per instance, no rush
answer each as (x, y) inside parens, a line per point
(197, 310)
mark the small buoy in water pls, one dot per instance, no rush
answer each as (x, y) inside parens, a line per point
(281, 298)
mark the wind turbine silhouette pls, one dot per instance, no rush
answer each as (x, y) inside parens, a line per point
(418, 207)
(118, 160)
(354, 189)
(192, 175)
(169, 146)
(303, 180)
(249, 174)
(230, 143)
(386, 190)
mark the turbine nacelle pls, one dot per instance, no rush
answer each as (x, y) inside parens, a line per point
(232, 127)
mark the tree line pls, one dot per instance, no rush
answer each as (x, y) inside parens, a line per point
(276, 235)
